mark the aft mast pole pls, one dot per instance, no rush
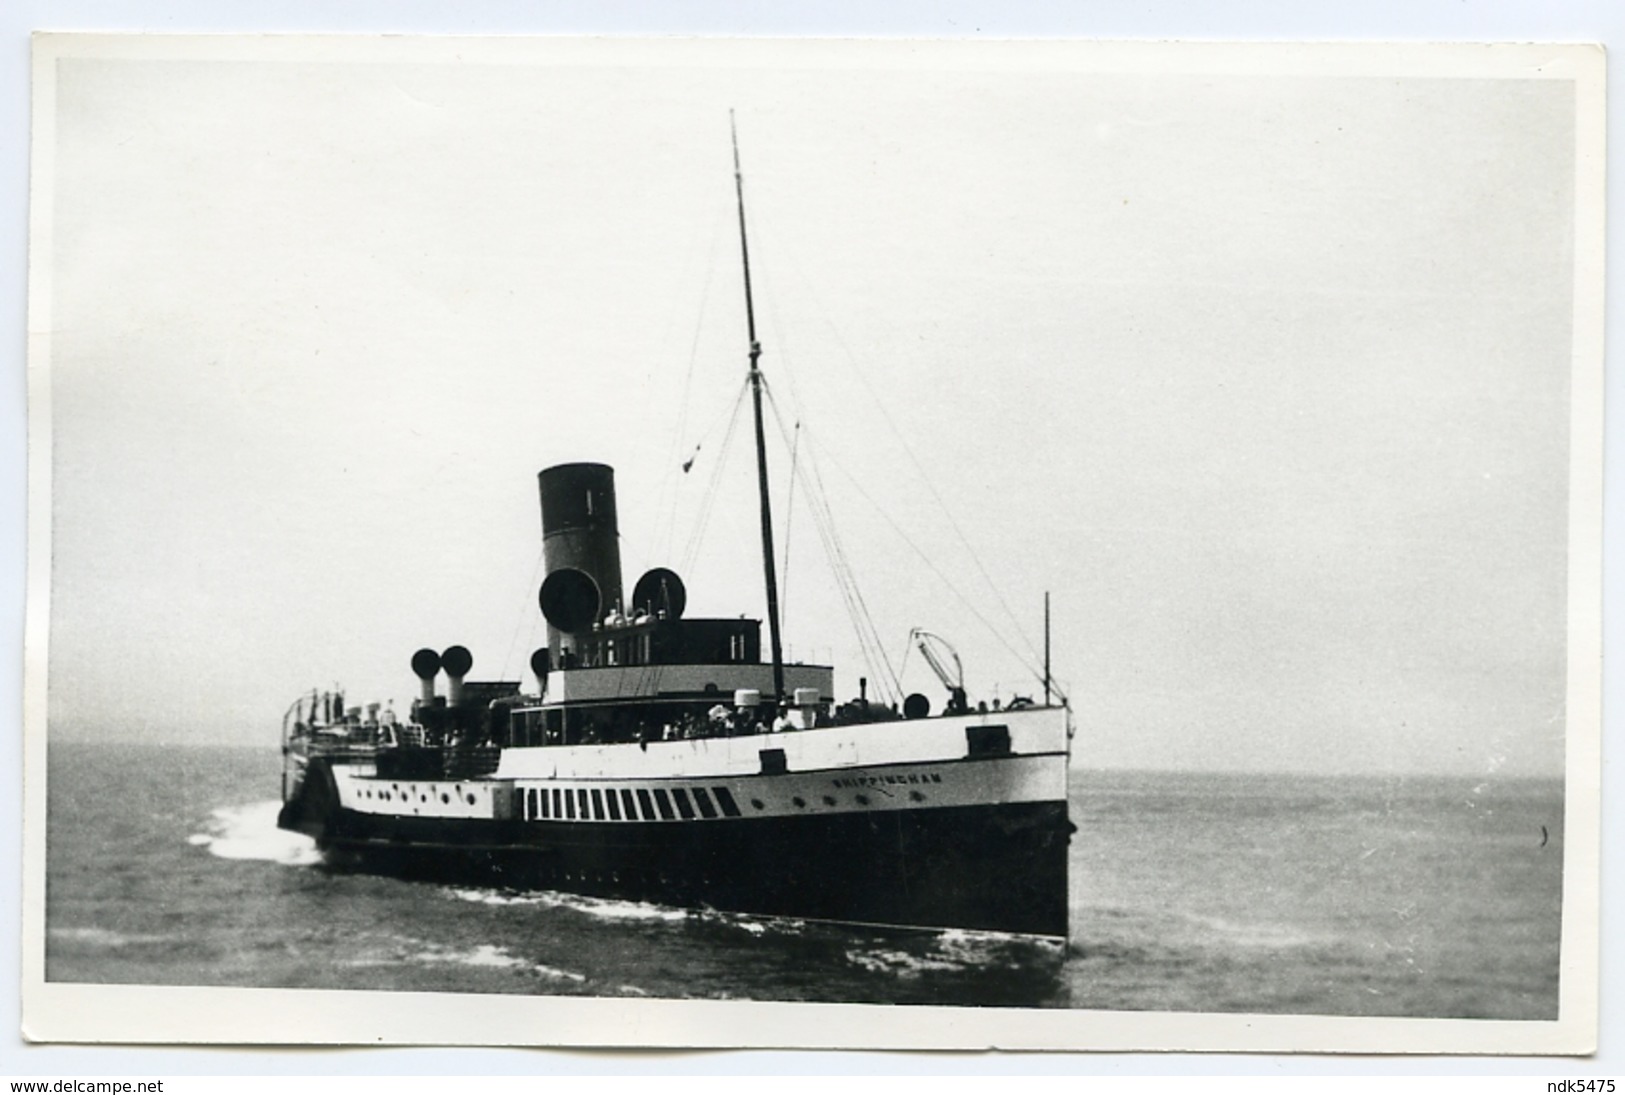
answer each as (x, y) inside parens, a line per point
(768, 572)
(1046, 648)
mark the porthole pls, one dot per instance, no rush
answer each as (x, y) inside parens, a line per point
(445, 797)
(829, 800)
(758, 804)
(471, 800)
(915, 796)
(801, 803)
(862, 800)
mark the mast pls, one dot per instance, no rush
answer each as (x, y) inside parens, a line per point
(1046, 648)
(768, 572)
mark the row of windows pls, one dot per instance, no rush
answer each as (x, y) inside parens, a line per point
(624, 804)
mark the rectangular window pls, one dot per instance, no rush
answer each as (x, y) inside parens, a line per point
(628, 805)
(613, 805)
(531, 810)
(581, 803)
(542, 798)
(703, 801)
(684, 807)
(558, 811)
(597, 804)
(725, 799)
(663, 801)
(648, 807)
(569, 806)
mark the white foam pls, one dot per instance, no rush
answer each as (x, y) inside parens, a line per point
(607, 909)
(102, 937)
(599, 907)
(250, 832)
(491, 956)
(754, 923)
(900, 963)
(491, 897)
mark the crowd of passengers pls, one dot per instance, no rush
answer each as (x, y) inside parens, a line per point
(588, 728)
(722, 721)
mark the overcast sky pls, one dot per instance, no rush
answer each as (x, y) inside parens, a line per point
(1264, 378)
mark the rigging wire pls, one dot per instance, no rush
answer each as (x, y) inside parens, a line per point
(871, 647)
(1030, 666)
(708, 500)
(789, 257)
(524, 614)
(665, 530)
(789, 516)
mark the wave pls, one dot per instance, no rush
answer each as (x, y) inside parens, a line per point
(1102, 923)
(490, 956)
(601, 908)
(1256, 935)
(104, 937)
(613, 909)
(250, 832)
(406, 950)
(901, 963)
(956, 951)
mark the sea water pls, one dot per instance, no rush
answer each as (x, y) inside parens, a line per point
(1216, 892)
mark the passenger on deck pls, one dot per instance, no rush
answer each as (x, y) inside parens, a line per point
(783, 723)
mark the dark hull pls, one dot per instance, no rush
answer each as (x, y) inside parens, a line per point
(996, 867)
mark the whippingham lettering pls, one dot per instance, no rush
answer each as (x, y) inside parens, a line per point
(894, 780)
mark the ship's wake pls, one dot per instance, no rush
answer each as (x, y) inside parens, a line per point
(250, 832)
(487, 956)
(894, 955)
(954, 951)
(599, 908)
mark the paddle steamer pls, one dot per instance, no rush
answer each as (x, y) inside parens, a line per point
(658, 757)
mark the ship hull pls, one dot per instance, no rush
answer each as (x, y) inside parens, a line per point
(951, 823)
(996, 868)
